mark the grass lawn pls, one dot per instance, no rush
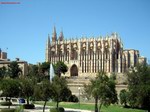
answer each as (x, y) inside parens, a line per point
(84, 106)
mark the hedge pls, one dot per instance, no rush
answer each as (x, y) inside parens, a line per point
(60, 109)
(8, 110)
(6, 103)
(28, 106)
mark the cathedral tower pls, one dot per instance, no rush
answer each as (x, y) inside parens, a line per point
(47, 53)
(54, 35)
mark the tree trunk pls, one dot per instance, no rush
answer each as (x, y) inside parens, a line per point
(44, 106)
(100, 105)
(59, 75)
(27, 101)
(9, 102)
(96, 103)
(57, 104)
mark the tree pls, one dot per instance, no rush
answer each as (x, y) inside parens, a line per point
(60, 67)
(14, 70)
(2, 72)
(44, 68)
(44, 91)
(113, 93)
(33, 70)
(123, 97)
(27, 88)
(138, 86)
(59, 84)
(43, 71)
(102, 89)
(10, 88)
(33, 73)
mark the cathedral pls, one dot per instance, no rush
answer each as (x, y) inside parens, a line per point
(85, 57)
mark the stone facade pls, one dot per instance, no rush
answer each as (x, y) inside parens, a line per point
(4, 62)
(87, 56)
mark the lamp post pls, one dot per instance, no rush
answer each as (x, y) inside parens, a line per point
(79, 96)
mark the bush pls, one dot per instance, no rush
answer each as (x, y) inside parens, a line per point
(28, 106)
(6, 103)
(73, 98)
(7, 110)
(19, 109)
(60, 109)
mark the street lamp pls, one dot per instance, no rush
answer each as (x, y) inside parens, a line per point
(79, 96)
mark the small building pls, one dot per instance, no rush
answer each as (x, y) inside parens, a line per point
(5, 62)
(22, 64)
(3, 55)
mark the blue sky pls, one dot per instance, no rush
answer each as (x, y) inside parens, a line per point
(24, 27)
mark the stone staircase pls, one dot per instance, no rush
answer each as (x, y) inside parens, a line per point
(76, 85)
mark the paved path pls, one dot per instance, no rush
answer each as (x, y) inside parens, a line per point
(39, 108)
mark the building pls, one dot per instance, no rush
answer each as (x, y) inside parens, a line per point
(3, 55)
(5, 62)
(87, 56)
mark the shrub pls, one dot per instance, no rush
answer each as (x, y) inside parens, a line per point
(19, 109)
(53, 110)
(6, 103)
(60, 109)
(73, 98)
(7, 110)
(28, 106)
(123, 97)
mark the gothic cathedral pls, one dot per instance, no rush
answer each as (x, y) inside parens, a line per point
(85, 57)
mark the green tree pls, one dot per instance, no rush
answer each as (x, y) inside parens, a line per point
(14, 70)
(33, 70)
(44, 71)
(60, 67)
(3, 72)
(10, 88)
(59, 84)
(102, 89)
(37, 92)
(139, 86)
(123, 97)
(44, 91)
(44, 68)
(33, 73)
(27, 88)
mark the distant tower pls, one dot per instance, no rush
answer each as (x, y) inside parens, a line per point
(0, 53)
(47, 49)
(54, 35)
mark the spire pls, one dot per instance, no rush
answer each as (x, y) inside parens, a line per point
(54, 35)
(0, 53)
(61, 37)
(48, 41)
(47, 53)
